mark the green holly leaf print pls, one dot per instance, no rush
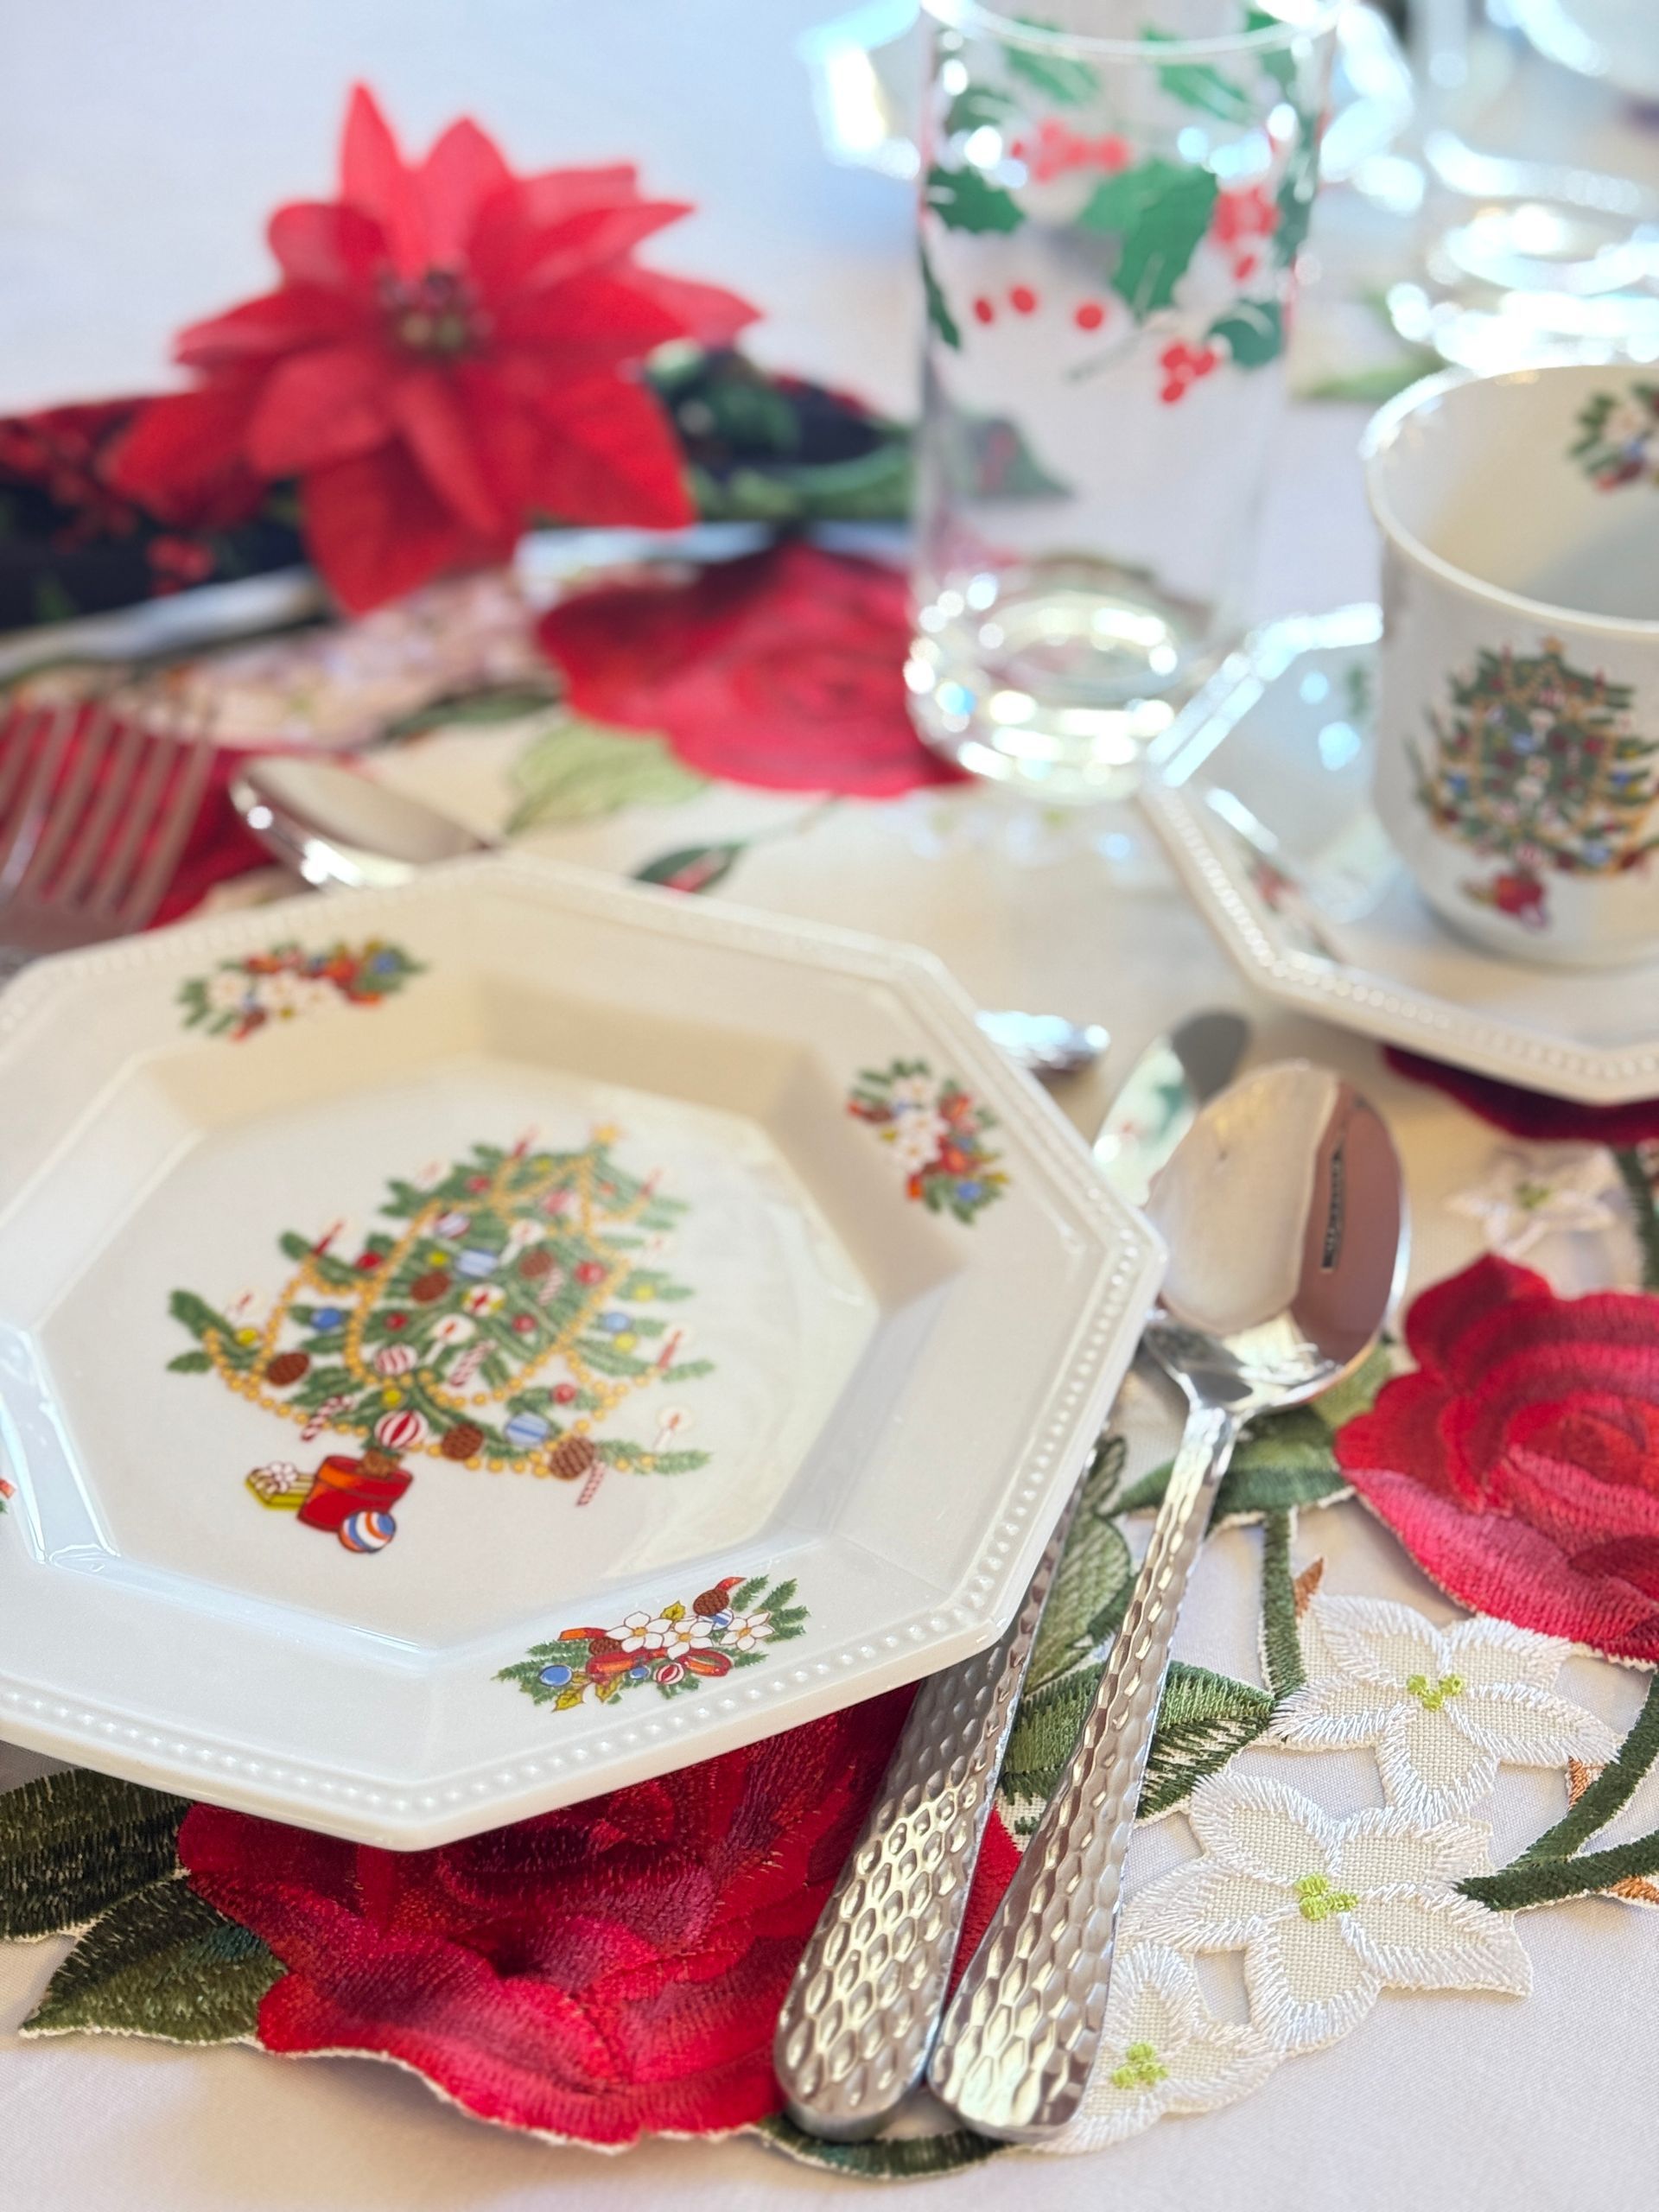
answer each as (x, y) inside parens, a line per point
(1200, 84)
(1279, 62)
(160, 1963)
(964, 200)
(1253, 332)
(1070, 82)
(580, 770)
(1161, 210)
(73, 1845)
(692, 868)
(1295, 198)
(938, 308)
(979, 105)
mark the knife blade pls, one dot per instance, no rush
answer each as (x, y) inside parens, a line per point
(858, 2024)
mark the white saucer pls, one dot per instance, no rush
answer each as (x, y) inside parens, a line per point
(466, 1347)
(1261, 792)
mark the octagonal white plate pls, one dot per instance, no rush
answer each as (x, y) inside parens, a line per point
(1261, 791)
(459, 1352)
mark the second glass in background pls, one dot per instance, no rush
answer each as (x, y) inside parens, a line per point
(1109, 231)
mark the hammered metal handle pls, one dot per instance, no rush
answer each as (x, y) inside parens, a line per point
(860, 2018)
(1018, 2043)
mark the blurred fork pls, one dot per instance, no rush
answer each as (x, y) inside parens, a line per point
(94, 812)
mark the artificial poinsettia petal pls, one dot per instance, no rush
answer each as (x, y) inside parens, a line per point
(378, 529)
(705, 312)
(552, 195)
(461, 174)
(280, 322)
(183, 457)
(608, 455)
(374, 176)
(424, 404)
(319, 406)
(320, 242)
(594, 319)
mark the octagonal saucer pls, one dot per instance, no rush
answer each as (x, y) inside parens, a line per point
(1261, 791)
(466, 1347)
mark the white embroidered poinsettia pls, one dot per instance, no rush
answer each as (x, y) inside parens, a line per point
(1532, 1191)
(1164, 2052)
(1328, 1912)
(1444, 1709)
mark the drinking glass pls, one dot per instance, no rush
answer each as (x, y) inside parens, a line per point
(1541, 167)
(1113, 200)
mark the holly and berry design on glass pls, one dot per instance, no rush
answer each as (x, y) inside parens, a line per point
(510, 1311)
(1539, 768)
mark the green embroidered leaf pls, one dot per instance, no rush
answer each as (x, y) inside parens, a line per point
(692, 868)
(1610, 1792)
(1279, 62)
(1095, 1569)
(938, 308)
(909, 2158)
(1253, 332)
(964, 200)
(509, 703)
(1531, 1882)
(1203, 1720)
(1281, 1642)
(1200, 84)
(160, 1963)
(189, 1362)
(1284, 1460)
(74, 1844)
(1161, 210)
(580, 770)
(873, 487)
(1069, 82)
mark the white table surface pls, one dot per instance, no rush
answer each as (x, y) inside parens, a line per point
(144, 142)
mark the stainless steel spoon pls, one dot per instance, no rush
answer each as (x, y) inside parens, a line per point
(332, 826)
(1284, 1212)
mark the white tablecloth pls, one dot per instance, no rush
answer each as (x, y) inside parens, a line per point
(143, 148)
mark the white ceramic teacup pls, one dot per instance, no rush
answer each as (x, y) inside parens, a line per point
(1517, 766)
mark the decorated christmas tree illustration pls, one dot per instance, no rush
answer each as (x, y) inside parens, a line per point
(512, 1308)
(1537, 767)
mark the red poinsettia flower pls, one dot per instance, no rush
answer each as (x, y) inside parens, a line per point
(785, 669)
(453, 351)
(1520, 1464)
(598, 1974)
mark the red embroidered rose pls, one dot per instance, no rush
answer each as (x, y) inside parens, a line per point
(1527, 1113)
(1520, 1464)
(453, 349)
(612, 1970)
(785, 669)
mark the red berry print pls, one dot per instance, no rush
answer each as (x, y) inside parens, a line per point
(590, 1271)
(396, 1320)
(984, 310)
(1022, 299)
(367, 1259)
(563, 1393)
(1090, 315)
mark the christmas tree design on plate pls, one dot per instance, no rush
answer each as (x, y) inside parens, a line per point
(512, 1307)
(1539, 768)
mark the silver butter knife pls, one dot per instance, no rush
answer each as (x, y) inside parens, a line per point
(333, 826)
(859, 2023)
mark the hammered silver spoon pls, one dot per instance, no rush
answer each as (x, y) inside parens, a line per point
(1284, 1213)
